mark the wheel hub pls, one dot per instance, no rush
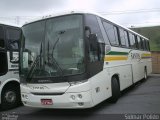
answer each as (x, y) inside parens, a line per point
(10, 96)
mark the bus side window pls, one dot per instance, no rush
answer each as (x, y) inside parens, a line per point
(144, 44)
(148, 45)
(112, 34)
(132, 40)
(2, 42)
(123, 38)
(12, 36)
(139, 42)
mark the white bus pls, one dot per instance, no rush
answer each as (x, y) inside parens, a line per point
(77, 60)
(9, 71)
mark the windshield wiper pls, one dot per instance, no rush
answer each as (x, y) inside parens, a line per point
(53, 60)
(60, 33)
(52, 57)
(38, 58)
(29, 75)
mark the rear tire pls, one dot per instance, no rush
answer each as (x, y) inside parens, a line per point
(10, 97)
(115, 90)
(145, 73)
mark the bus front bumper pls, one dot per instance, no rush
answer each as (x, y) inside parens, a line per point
(66, 100)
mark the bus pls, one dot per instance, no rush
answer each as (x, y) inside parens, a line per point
(79, 59)
(9, 70)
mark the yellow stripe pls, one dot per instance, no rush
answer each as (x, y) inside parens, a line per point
(146, 55)
(115, 58)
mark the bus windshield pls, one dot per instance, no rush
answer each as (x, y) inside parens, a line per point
(52, 47)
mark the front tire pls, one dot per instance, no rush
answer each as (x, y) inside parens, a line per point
(115, 90)
(10, 97)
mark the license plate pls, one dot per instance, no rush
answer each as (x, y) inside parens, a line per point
(46, 102)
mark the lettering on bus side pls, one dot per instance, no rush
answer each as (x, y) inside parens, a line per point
(135, 56)
(14, 66)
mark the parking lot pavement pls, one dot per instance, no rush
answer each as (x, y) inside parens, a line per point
(143, 98)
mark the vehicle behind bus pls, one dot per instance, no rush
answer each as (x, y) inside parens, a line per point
(9, 67)
(78, 60)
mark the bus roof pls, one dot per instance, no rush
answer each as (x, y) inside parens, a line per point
(80, 12)
(6, 24)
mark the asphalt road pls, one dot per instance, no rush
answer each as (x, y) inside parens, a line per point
(143, 98)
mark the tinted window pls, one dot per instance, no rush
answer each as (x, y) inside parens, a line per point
(2, 45)
(123, 37)
(92, 23)
(139, 42)
(148, 45)
(132, 40)
(137, 45)
(111, 32)
(3, 63)
(144, 44)
(12, 36)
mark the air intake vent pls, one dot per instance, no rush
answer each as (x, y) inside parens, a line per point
(59, 93)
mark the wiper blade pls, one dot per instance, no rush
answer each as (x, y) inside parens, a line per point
(52, 57)
(53, 61)
(60, 33)
(29, 75)
(32, 67)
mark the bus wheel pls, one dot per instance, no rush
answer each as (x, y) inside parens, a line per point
(10, 97)
(115, 90)
(145, 73)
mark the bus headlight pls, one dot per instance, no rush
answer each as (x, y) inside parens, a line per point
(77, 82)
(24, 96)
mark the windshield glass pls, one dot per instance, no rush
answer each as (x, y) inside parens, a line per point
(53, 47)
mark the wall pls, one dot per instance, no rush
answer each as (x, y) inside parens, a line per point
(155, 62)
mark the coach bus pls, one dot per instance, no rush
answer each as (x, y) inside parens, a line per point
(77, 60)
(9, 70)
